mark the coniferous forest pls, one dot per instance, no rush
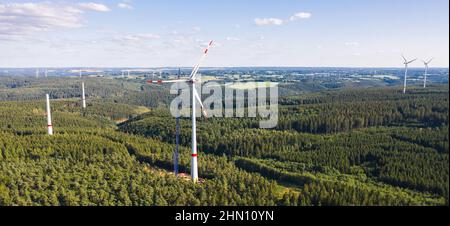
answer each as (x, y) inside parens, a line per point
(342, 146)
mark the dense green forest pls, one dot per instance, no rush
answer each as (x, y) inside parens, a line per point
(352, 146)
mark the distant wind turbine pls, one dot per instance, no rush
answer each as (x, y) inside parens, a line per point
(37, 73)
(426, 63)
(406, 62)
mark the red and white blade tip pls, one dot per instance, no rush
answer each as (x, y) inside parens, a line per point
(207, 48)
(151, 81)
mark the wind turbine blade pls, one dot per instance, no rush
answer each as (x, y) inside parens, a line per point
(411, 61)
(404, 58)
(200, 101)
(166, 81)
(195, 70)
(430, 60)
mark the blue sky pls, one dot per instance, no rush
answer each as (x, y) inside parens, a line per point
(143, 33)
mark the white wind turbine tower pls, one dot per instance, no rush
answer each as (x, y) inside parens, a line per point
(195, 96)
(49, 116)
(406, 71)
(426, 63)
(83, 94)
(46, 72)
(37, 73)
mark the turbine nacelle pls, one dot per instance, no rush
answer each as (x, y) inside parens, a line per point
(427, 62)
(406, 62)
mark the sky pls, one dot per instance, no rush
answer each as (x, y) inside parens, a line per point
(156, 33)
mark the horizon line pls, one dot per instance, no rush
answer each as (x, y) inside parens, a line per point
(211, 67)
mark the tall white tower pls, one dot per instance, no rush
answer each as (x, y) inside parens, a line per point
(83, 95)
(406, 72)
(49, 116)
(426, 63)
(194, 155)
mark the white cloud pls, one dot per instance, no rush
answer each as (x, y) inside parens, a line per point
(19, 21)
(196, 29)
(136, 38)
(186, 43)
(277, 21)
(300, 15)
(353, 44)
(135, 41)
(125, 6)
(268, 21)
(232, 39)
(94, 6)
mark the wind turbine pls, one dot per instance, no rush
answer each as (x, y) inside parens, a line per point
(37, 73)
(46, 72)
(195, 96)
(426, 63)
(406, 62)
